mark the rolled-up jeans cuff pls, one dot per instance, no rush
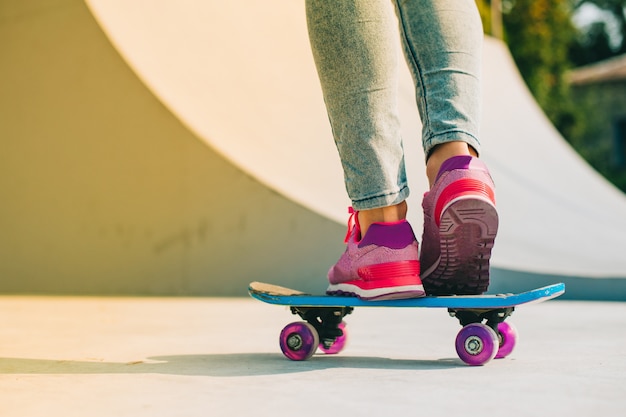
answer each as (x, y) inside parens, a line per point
(452, 136)
(384, 200)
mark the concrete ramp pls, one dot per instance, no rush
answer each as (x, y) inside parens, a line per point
(159, 212)
(104, 191)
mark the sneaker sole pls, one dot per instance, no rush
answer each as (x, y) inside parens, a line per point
(377, 294)
(467, 230)
(383, 286)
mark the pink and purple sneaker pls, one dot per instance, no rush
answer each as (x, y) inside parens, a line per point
(460, 226)
(382, 265)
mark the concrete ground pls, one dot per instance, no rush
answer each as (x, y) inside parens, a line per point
(84, 356)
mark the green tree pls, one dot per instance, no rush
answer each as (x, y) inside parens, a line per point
(485, 14)
(546, 44)
(592, 45)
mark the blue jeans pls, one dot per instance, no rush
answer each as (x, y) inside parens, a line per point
(354, 47)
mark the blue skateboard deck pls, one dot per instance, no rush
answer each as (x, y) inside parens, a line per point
(273, 294)
(485, 334)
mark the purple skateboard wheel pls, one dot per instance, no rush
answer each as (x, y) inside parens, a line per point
(476, 344)
(507, 335)
(299, 341)
(339, 343)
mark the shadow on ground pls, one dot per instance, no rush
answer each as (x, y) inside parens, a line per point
(222, 365)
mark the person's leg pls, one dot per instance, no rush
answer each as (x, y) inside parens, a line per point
(443, 42)
(353, 44)
(354, 50)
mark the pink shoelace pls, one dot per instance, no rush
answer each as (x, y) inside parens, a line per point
(353, 221)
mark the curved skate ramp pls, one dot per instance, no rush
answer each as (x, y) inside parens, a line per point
(132, 202)
(104, 191)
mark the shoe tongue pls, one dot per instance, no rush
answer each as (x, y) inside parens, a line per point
(396, 235)
(458, 162)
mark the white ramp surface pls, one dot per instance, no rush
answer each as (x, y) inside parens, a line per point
(183, 148)
(242, 77)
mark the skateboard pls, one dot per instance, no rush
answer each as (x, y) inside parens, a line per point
(485, 334)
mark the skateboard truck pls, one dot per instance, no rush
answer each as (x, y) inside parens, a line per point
(492, 317)
(326, 320)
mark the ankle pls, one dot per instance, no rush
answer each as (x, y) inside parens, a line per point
(442, 153)
(387, 214)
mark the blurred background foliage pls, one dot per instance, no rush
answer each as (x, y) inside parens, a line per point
(550, 38)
